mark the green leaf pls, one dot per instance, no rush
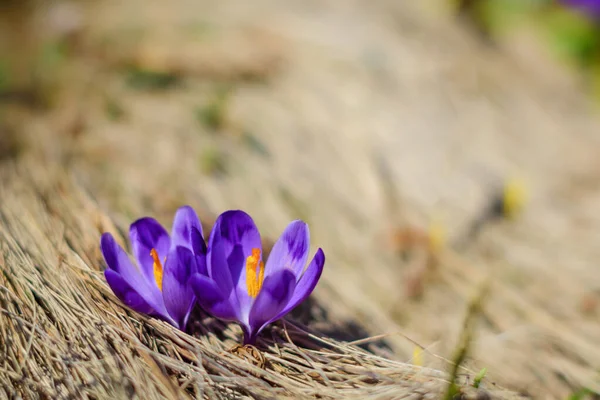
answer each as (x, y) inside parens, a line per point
(479, 377)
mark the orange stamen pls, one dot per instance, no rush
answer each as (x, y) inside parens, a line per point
(158, 269)
(254, 282)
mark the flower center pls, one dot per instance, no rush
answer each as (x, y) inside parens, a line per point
(158, 269)
(255, 273)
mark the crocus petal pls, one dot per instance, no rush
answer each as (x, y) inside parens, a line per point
(217, 266)
(240, 236)
(126, 293)
(147, 234)
(187, 231)
(237, 236)
(306, 284)
(276, 292)
(201, 266)
(177, 293)
(212, 299)
(114, 255)
(118, 261)
(291, 250)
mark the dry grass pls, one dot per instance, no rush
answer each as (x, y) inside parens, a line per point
(63, 334)
(312, 111)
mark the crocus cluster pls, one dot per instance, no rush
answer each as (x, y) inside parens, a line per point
(229, 278)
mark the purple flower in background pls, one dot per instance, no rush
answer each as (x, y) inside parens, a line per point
(590, 8)
(240, 287)
(160, 286)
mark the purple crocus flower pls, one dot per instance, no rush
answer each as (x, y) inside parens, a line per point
(591, 8)
(240, 287)
(160, 286)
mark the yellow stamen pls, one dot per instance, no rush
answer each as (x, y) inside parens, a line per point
(254, 282)
(158, 269)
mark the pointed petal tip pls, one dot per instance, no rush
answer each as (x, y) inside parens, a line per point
(306, 284)
(230, 213)
(232, 225)
(146, 234)
(143, 222)
(110, 251)
(106, 236)
(146, 229)
(187, 230)
(320, 256)
(107, 241)
(106, 274)
(187, 208)
(291, 250)
(187, 214)
(315, 268)
(238, 218)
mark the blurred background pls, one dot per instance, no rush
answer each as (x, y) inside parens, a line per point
(435, 148)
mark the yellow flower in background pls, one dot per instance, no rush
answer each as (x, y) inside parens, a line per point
(417, 356)
(514, 197)
(436, 235)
